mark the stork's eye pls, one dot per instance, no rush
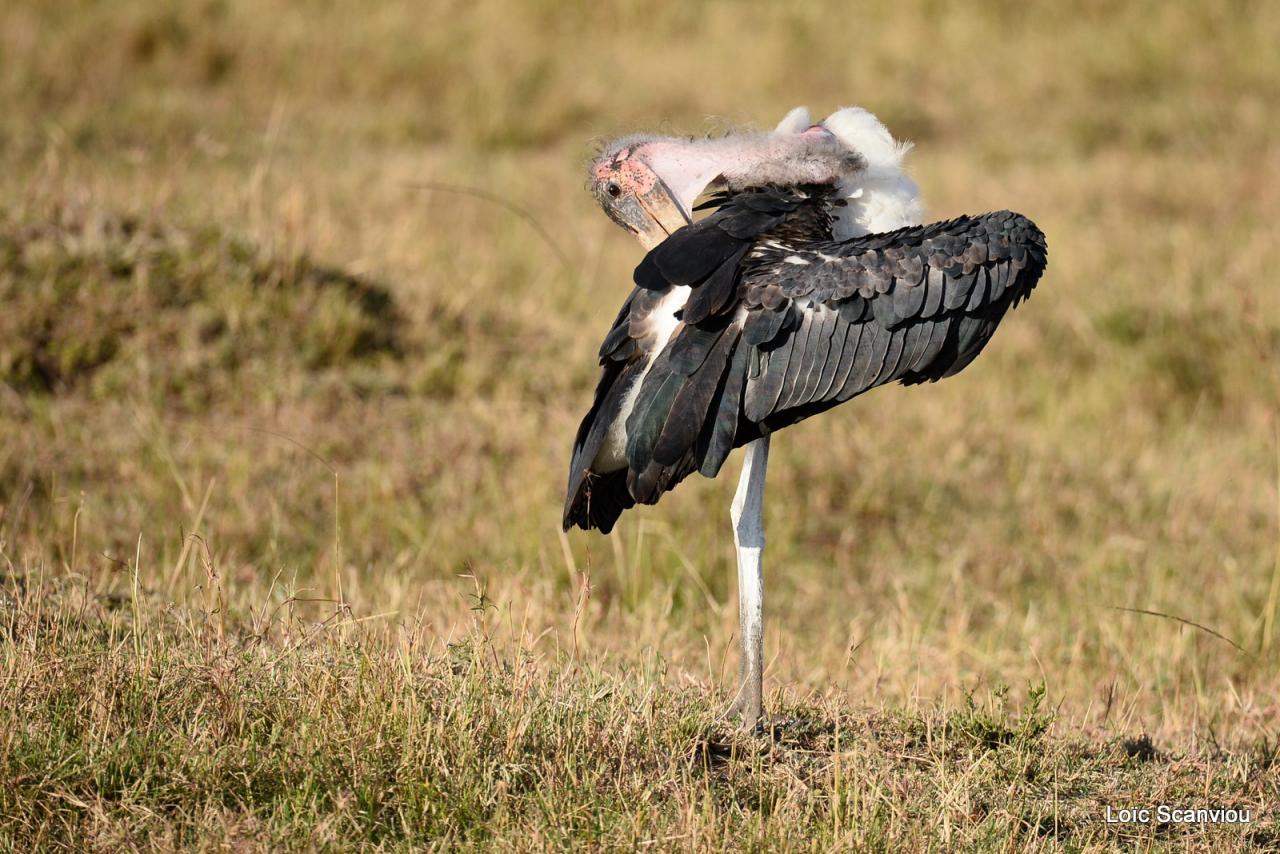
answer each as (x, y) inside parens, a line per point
(613, 190)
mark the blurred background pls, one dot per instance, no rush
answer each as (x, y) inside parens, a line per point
(228, 309)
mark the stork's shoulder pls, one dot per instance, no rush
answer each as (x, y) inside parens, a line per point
(962, 229)
(916, 272)
(964, 240)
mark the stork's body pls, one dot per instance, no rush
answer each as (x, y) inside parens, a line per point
(807, 285)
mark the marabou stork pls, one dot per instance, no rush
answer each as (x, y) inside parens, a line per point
(810, 281)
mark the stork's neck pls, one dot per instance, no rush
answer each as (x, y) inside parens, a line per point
(686, 167)
(745, 160)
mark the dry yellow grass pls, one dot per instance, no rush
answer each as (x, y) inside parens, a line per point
(282, 439)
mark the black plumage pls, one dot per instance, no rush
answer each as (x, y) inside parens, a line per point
(781, 322)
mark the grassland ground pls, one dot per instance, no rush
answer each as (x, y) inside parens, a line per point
(284, 423)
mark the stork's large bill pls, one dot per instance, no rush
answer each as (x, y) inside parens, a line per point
(754, 318)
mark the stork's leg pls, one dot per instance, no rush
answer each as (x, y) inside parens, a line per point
(748, 533)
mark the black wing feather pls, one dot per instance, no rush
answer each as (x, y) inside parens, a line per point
(690, 408)
(820, 351)
(763, 391)
(713, 294)
(835, 358)
(762, 326)
(720, 438)
(796, 360)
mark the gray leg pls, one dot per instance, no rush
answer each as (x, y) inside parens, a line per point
(748, 533)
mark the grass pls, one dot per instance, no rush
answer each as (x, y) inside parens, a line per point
(283, 434)
(311, 735)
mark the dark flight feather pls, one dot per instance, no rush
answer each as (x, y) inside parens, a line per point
(691, 406)
(835, 352)
(762, 326)
(727, 412)
(644, 425)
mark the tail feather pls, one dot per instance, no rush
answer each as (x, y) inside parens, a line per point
(598, 501)
(681, 424)
(614, 383)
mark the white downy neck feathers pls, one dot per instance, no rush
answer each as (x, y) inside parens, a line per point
(881, 197)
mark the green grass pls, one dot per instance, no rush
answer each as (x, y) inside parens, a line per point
(95, 303)
(283, 437)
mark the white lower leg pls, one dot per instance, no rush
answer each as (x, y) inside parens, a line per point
(748, 533)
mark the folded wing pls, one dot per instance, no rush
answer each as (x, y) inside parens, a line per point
(780, 323)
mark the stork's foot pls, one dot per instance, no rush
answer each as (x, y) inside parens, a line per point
(774, 728)
(747, 710)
